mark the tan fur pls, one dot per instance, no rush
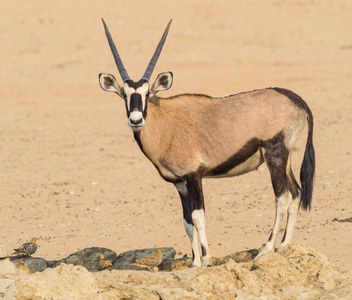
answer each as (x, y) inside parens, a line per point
(188, 137)
(189, 131)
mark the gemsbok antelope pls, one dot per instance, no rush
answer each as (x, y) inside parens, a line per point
(191, 136)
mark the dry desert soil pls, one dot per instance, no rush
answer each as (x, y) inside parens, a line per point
(71, 173)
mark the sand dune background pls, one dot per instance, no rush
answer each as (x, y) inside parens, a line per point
(71, 173)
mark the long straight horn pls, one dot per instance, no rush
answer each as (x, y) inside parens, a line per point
(116, 55)
(150, 68)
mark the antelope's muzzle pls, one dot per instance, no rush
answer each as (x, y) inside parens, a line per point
(136, 120)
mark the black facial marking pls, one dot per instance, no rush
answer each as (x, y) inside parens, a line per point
(136, 98)
(137, 84)
(136, 102)
(123, 94)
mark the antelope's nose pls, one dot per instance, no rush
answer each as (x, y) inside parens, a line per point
(136, 121)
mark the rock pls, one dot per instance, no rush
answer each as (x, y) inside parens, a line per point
(275, 269)
(170, 264)
(8, 289)
(3, 251)
(7, 267)
(125, 259)
(28, 265)
(61, 282)
(296, 272)
(243, 256)
(328, 275)
(88, 258)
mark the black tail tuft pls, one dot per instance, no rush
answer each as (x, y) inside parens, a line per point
(308, 168)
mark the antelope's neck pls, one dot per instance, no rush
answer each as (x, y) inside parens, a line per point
(149, 138)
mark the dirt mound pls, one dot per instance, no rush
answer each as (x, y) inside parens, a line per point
(296, 272)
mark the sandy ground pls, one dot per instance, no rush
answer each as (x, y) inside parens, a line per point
(71, 173)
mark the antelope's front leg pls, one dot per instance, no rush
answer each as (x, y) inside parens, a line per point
(188, 222)
(193, 208)
(198, 219)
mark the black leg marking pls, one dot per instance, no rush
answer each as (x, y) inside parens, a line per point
(284, 236)
(308, 164)
(195, 190)
(270, 237)
(187, 206)
(294, 186)
(204, 251)
(276, 156)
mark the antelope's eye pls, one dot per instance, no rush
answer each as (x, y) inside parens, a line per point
(147, 95)
(123, 94)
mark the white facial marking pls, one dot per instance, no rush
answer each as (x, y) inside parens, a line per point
(135, 116)
(136, 120)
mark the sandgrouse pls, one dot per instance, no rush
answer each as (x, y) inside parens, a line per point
(150, 261)
(104, 264)
(27, 249)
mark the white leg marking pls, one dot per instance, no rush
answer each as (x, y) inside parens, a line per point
(291, 221)
(182, 188)
(190, 229)
(199, 222)
(281, 209)
(193, 236)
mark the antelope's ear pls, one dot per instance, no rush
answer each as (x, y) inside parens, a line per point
(109, 84)
(162, 83)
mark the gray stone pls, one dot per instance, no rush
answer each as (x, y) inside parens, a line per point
(88, 258)
(281, 275)
(170, 264)
(126, 259)
(243, 256)
(28, 265)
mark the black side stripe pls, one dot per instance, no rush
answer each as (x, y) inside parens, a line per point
(241, 156)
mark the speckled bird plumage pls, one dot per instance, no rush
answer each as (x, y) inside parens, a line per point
(104, 264)
(150, 261)
(27, 249)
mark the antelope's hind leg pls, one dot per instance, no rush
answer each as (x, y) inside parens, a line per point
(277, 159)
(292, 211)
